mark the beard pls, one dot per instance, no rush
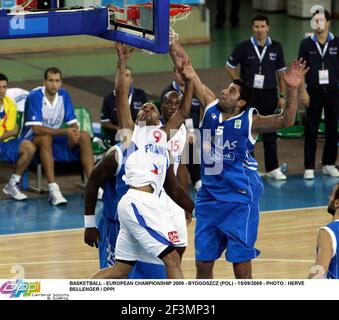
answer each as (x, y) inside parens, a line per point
(330, 209)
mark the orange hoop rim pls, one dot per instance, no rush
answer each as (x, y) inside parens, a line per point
(175, 9)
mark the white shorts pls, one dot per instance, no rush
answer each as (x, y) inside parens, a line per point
(145, 229)
(177, 216)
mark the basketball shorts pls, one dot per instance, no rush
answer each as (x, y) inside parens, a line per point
(145, 230)
(61, 151)
(9, 150)
(177, 216)
(144, 270)
(109, 230)
(229, 226)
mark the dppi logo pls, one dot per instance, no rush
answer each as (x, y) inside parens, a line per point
(16, 288)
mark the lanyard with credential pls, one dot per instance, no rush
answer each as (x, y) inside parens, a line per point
(322, 53)
(260, 56)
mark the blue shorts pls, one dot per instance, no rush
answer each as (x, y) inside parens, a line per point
(9, 151)
(61, 151)
(229, 226)
(109, 230)
(144, 270)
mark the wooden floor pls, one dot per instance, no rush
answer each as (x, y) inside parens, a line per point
(286, 240)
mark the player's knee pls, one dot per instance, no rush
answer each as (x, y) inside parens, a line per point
(28, 148)
(181, 251)
(204, 268)
(170, 257)
(242, 270)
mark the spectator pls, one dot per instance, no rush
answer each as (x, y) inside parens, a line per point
(12, 149)
(46, 109)
(221, 13)
(321, 52)
(109, 120)
(262, 62)
(193, 166)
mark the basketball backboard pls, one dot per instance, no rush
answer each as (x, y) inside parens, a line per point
(140, 23)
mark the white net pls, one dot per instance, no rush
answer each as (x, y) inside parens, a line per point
(173, 35)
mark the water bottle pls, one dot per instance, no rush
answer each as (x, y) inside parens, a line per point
(284, 167)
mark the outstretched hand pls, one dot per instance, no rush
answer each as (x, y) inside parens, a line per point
(124, 52)
(186, 70)
(295, 73)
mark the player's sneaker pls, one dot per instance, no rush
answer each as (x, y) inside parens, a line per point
(55, 197)
(309, 174)
(331, 171)
(276, 174)
(13, 191)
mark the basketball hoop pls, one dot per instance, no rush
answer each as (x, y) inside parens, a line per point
(177, 11)
(132, 16)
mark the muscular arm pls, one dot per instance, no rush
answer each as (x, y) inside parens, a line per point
(324, 255)
(183, 176)
(263, 124)
(101, 172)
(201, 91)
(122, 91)
(184, 109)
(175, 191)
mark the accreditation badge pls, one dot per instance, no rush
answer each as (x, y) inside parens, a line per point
(259, 81)
(324, 77)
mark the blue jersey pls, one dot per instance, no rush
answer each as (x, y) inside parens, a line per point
(40, 112)
(115, 187)
(121, 186)
(333, 230)
(227, 165)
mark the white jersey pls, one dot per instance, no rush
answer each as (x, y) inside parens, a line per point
(176, 146)
(148, 162)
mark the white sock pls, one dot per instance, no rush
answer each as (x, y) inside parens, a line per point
(52, 185)
(15, 179)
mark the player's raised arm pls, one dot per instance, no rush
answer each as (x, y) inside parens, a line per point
(292, 78)
(201, 91)
(102, 171)
(183, 112)
(122, 89)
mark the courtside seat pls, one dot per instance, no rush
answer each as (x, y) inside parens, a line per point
(85, 124)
